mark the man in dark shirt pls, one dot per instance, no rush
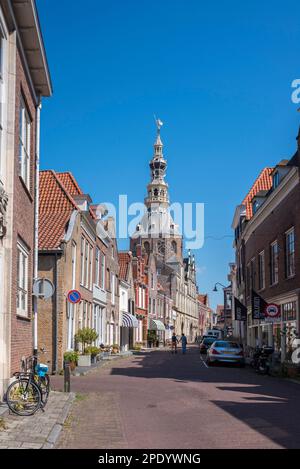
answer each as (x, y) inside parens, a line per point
(174, 343)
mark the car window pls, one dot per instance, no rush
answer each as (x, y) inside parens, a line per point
(208, 341)
(233, 345)
(222, 344)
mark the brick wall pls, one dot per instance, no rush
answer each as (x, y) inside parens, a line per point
(285, 216)
(23, 225)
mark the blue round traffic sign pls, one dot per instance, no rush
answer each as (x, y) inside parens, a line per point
(74, 296)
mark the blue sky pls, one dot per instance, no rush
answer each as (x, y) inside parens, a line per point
(217, 73)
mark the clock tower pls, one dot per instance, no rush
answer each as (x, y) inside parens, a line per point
(157, 232)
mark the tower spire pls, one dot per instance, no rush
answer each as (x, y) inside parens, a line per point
(158, 188)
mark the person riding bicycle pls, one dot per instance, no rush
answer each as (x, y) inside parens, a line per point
(174, 342)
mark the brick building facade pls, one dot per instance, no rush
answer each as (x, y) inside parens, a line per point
(267, 228)
(24, 81)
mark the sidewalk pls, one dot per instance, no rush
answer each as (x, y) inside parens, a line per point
(39, 431)
(84, 370)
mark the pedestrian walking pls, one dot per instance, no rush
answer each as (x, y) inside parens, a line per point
(174, 343)
(183, 341)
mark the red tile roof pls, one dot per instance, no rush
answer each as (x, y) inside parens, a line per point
(124, 261)
(262, 183)
(55, 209)
(69, 182)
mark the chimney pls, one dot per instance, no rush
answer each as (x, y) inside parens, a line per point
(82, 201)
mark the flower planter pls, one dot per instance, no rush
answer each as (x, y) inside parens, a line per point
(84, 360)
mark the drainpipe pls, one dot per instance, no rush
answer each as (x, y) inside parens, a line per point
(36, 226)
(55, 358)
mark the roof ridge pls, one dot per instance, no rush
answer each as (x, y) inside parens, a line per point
(64, 189)
(73, 180)
(267, 168)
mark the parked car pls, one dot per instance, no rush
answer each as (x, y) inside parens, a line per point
(225, 351)
(206, 343)
(217, 334)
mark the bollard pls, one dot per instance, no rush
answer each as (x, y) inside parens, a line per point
(67, 377)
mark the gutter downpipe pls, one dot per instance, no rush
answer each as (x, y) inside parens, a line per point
(56, 317)
(36, 226)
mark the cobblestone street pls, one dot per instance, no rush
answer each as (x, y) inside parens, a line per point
(159, 400)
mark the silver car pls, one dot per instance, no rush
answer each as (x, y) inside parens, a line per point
(223, 351)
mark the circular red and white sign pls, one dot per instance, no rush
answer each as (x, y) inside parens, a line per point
(74, 296)
(272, 311)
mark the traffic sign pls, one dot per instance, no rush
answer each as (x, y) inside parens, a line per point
(74, 296)
(272, 312)
(43, 288)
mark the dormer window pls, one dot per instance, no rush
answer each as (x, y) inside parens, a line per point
(255, 206)
(275, 180)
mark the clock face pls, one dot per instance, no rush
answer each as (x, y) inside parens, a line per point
(161, 247)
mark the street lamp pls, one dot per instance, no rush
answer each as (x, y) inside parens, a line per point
(215, 289)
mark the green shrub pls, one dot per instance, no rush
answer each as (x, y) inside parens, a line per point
(86, 336)
(71, 357)
(93, 351)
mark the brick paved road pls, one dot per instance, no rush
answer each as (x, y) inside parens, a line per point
(159, 400)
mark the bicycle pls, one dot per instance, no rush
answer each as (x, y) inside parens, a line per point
(30, 390)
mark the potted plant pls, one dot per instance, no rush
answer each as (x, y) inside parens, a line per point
(151, 338)
(115, 349)
(86, 337)
(71, 357)
(93, 351)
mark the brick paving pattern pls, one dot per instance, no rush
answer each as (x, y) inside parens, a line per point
(36, 431)
(158, 400)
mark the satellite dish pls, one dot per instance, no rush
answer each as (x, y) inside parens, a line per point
(43, 288)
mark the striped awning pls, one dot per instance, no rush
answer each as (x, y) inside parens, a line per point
(129, 320)
(156, 325)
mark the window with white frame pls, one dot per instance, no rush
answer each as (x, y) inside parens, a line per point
(274, 263)
(261, 270)
(113, 280)
(97, 267)
(86, 262)
(290, 252)
(22, 280)
(103, 271)
(24, 143)
(82, 257)
(90, 284)
(73, 264)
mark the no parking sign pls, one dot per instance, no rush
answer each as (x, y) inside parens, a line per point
(74, 296)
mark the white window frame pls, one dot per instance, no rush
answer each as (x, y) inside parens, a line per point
(91, 267)
(113, 290)
(22, 279)
(74, 256)
(273, 261)
(86, 261)
(103, 272)
(97, 266)
(24, 142)
(82, 256)
(261, 273)
(289, 254)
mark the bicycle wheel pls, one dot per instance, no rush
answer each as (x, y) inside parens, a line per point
(44, 385)
(23, 397)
